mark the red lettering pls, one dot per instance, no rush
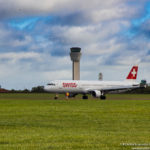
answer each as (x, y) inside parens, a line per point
(73, 85)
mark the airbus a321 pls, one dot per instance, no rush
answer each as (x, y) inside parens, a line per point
(97, 89)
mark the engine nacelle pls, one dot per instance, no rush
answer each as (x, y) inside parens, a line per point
(96, 93)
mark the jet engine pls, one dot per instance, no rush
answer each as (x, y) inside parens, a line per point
(96, 93)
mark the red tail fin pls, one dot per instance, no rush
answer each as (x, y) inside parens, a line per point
(133, 73)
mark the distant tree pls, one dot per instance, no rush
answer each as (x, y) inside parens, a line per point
(38, 89)
(19, 91)
(26, 91)
(140, 91)
(13, 91)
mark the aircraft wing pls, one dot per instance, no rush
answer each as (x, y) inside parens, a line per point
(110, 89)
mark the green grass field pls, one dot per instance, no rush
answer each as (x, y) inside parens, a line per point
(37, 122)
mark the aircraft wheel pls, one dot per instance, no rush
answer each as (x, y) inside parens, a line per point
(103, 97)
(55, 97)
(85, 97)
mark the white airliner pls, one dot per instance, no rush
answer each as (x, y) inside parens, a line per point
(96, 88)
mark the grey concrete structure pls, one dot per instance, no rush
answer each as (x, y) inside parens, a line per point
(75, 55)
(100, 77)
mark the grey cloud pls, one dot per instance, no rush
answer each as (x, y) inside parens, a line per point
(95, 10)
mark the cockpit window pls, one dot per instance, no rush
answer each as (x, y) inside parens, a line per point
(51, 84)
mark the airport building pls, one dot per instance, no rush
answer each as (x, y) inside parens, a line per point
(100, 76)
(75, 55)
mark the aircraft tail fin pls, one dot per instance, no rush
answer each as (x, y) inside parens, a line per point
(133, 73)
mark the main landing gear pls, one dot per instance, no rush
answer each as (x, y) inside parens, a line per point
(56, 96)
(84, 97)
(102, 97)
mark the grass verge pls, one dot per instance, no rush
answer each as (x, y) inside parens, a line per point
(37, 122)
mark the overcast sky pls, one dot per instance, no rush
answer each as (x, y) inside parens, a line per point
(36, 37)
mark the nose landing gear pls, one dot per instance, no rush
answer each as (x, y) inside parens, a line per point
(56, 96)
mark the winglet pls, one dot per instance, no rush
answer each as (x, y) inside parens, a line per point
(133, 73)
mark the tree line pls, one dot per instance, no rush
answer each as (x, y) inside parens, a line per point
(37, 89)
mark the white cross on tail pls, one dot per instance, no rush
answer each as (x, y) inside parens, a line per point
(133, 72)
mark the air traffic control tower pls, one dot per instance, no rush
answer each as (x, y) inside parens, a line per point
(75, 55)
